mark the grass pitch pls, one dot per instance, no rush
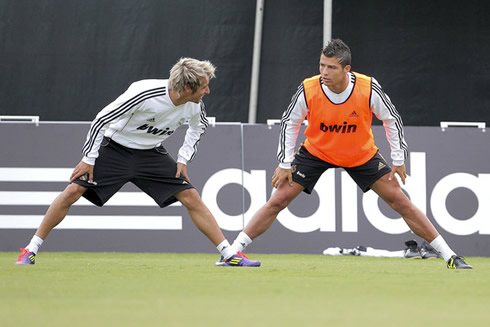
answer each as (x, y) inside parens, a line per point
(122, 289)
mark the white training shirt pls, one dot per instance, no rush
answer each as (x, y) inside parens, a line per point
(381, 106)
(143, 117)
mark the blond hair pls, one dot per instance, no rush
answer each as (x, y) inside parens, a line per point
(189, 72)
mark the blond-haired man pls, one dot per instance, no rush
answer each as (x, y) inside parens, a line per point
(124, 144)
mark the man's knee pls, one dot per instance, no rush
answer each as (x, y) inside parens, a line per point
(399, 202)
(72, 193)
(189, 197)
(283, 197)
(278, 203)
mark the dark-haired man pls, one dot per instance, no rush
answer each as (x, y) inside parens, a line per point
(339, 105)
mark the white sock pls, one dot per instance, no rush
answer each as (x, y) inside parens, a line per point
(241, 242)
(36, 242)
(225, 249)
(440, 245)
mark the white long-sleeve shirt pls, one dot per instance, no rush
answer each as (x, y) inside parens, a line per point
(380, 105)
(143, 117)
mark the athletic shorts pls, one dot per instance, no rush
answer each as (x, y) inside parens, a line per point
(153, 171)
(307, 169)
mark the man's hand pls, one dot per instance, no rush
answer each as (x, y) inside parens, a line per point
(400, 170)
(281, 174)
(81, 169)
(182, 169)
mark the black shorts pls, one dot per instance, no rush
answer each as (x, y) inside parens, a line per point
(307, 169)
(153, 171)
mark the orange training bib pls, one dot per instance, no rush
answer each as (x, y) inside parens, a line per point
(340, 133)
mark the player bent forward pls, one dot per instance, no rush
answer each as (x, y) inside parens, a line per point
(339, 105)
(122, 146)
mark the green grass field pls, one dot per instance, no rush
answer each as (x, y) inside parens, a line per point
(121, 289)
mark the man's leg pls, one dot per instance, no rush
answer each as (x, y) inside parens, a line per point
(205, 222)
(266, 215)
(391, 193)
(200, 215)
(54, 215)
(59, 209)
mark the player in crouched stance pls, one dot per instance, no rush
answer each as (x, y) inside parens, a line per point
(339, 105)
(124, 144)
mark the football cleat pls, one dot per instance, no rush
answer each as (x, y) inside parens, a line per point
(412, 250)
(457, 262)
(26, 257)
(221, 261)
(237, 260)
(427, 251)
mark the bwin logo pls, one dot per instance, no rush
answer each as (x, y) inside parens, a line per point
(344, 128)
(155, 131)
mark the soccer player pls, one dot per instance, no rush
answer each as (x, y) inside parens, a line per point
(124, 144)
(339, 105)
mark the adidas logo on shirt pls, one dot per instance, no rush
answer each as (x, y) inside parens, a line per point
(353, 114)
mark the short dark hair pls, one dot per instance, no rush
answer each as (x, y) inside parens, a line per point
(337, 48)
